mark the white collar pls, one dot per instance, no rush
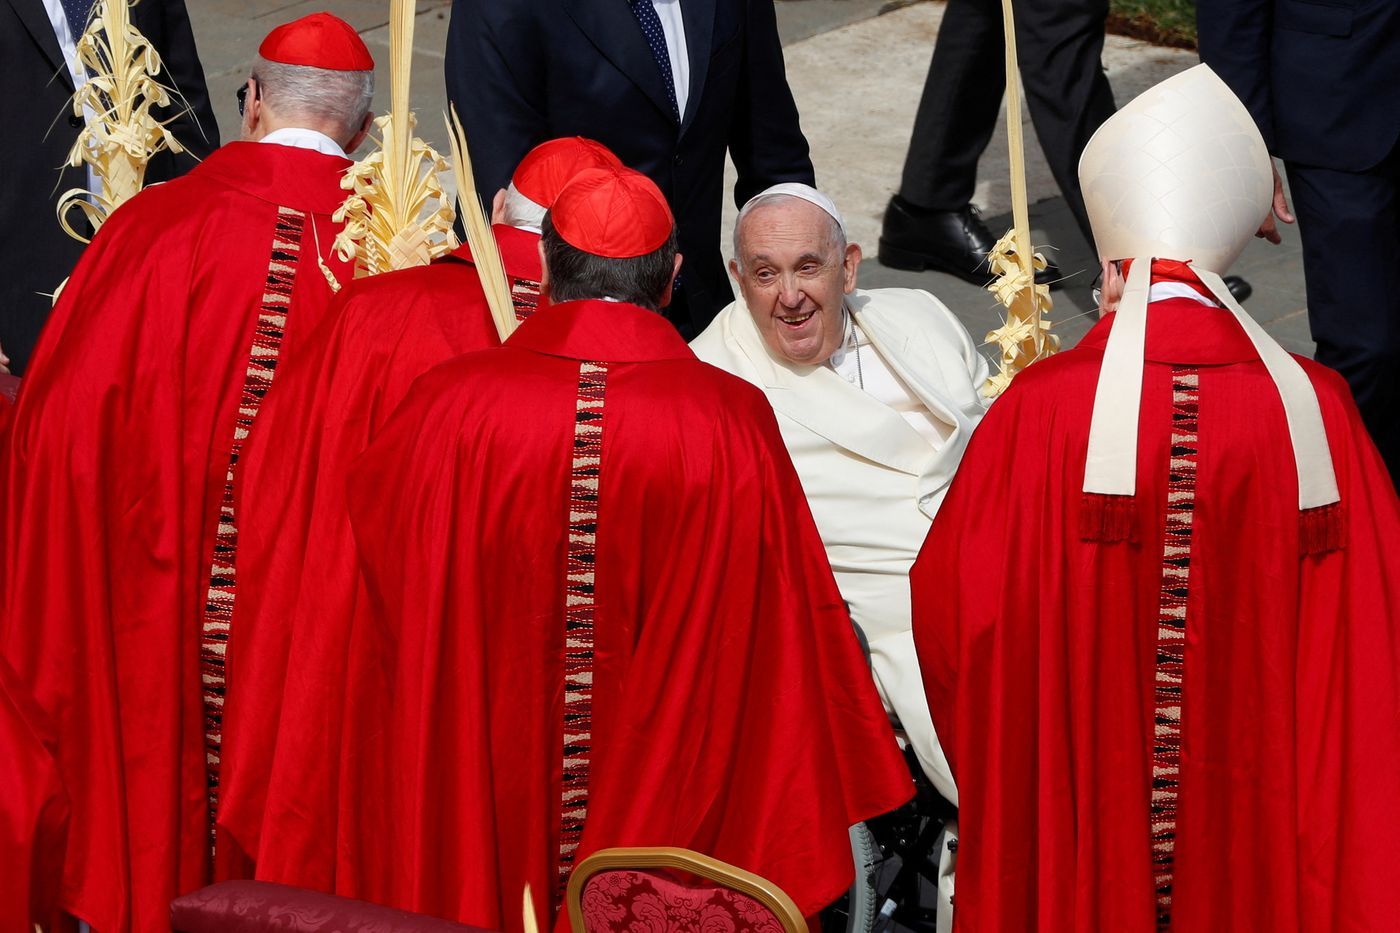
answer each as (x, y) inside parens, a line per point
(1159, 291)
(851, 338)
(299, 137)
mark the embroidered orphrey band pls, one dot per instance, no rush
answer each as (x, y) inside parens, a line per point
(525, 297)
(578, 615)
(262, 363)
(1171, 635)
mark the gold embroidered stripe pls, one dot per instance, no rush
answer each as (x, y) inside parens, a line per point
(524, 297)
(579, 592)
(262, 364)
(1171, 635)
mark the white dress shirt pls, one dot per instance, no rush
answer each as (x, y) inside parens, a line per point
(301, 138)
(674, 28)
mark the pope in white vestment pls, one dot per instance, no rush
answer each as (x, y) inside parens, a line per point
(876, 393)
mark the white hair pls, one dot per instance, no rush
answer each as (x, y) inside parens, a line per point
(836, 229)
(341, 98)
(520, 211)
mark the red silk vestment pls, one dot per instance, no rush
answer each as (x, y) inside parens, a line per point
(299, 584)
(1195, 726)
(608, 620)
(120, 547)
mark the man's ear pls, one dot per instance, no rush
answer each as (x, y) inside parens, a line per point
(252, 109)
(671, 285)
(498, 207)
(1111, 286)
(360, 134)
(850, 265)
(734, 272)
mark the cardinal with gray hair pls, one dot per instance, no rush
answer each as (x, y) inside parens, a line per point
(122, 447)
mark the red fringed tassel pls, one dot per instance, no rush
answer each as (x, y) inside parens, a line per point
(1108, 519)
(1322, 529)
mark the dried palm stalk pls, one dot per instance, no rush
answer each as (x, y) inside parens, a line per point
(397, 214)
(121, 91)
(531, 923)
(481, 240)
(1024, 336)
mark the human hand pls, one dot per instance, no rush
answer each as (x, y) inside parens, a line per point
(1268, 230)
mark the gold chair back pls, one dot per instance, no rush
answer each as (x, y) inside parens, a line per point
(701, 866)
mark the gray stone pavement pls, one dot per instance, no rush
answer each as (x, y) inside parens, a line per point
(857, 69)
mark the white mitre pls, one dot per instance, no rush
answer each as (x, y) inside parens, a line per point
(1182, 173)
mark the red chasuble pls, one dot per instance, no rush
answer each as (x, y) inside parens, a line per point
(611, 621)
(1195, 727)
(120, 539)
(298, 576)
(33, 812)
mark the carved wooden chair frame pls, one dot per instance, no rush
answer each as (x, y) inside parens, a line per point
(702, 866)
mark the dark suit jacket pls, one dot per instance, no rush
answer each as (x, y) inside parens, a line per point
(523, 71)
(1319, 76)
(40, 129)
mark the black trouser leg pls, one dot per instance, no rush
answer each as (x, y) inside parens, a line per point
(1060, 46)
(958, 111)
(1060, 49)
(1350, 226)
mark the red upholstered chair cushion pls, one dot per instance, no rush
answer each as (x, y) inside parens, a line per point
(260, 907)
(658, 902)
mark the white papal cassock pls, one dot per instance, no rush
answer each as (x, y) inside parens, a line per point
(875, 463)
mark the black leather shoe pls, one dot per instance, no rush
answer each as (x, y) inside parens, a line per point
(1239, 288)
(956, 242)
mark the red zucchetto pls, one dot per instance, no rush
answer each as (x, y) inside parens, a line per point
(617, 213)
(318, 40)
(551, 165)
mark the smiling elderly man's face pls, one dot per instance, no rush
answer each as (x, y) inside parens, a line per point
(795, 275)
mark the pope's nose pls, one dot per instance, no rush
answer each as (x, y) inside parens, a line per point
(790, 295)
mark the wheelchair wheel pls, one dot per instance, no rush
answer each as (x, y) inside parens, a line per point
(863, 896)
(856, 910)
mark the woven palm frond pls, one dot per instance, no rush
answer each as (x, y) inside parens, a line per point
(486, 252)
(121, 133)
(1024, 336)
(397, 214)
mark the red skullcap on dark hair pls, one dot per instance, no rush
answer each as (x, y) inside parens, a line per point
(612, 212)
